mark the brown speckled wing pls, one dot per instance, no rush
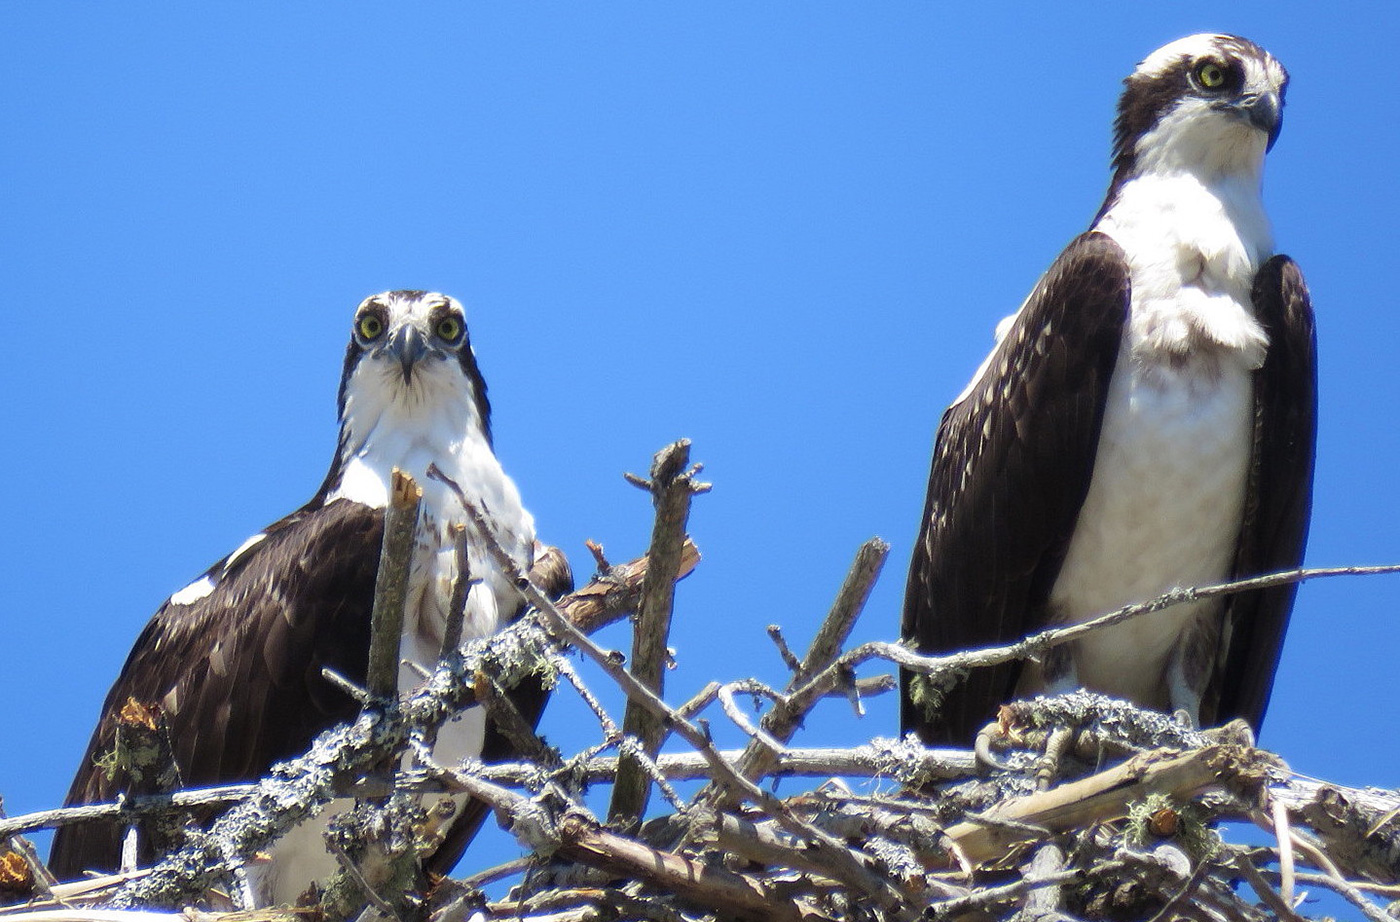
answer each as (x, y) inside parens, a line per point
(238, 672)
(1011, 467)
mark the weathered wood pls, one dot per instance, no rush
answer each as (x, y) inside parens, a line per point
(738, 896)
(671, 487)
(1098, 798)
(936, 837)
(614, 595)
(391, 586)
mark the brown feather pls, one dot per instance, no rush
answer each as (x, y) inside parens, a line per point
(1023, 439)
(239, 709)
(1275, 528)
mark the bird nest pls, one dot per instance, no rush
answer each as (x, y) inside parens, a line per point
(1072, 807)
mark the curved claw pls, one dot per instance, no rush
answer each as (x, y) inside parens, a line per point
(982, 748)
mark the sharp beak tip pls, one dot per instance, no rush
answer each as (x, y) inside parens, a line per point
(408, 347)
(1265, 112)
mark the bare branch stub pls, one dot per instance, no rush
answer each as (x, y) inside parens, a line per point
(391, 585)
(600, 558)
(612, 596)
(671, 485)
(850, 602)
(790, 660)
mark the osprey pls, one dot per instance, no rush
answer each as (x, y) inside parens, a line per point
(1146, 421)
(234, 660)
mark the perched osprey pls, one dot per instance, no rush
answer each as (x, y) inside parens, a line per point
(234, 659)
(1146, 421)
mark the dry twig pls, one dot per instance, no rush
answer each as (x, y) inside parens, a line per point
(671, 486)
(896, 832)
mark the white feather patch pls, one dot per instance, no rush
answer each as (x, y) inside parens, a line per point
(194, 591)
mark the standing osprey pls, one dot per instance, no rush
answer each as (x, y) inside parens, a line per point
(1146, 421)
(234, 660)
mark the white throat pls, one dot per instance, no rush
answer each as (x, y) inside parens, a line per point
(1194, 238)
(389, 425)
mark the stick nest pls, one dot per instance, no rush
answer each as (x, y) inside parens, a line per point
(1073, 807)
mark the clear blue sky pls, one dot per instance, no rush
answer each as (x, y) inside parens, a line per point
(784, 230)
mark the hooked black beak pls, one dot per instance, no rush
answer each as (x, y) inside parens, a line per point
(1265, 112)
(408, 346)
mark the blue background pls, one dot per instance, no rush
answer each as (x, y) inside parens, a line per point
(785, 231)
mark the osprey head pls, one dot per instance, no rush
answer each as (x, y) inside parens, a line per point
(410, 362)
(1206, 104)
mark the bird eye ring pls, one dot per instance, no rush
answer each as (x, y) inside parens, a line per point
(1211, 76)
(449, 329)
(369, 327)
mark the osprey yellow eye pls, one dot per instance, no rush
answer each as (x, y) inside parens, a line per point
(369, 327)
(1211, 76)
(449, 329)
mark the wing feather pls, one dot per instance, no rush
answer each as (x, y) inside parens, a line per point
(1011, 467)
(238, 671)
(1275, 528)
(243, 669)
